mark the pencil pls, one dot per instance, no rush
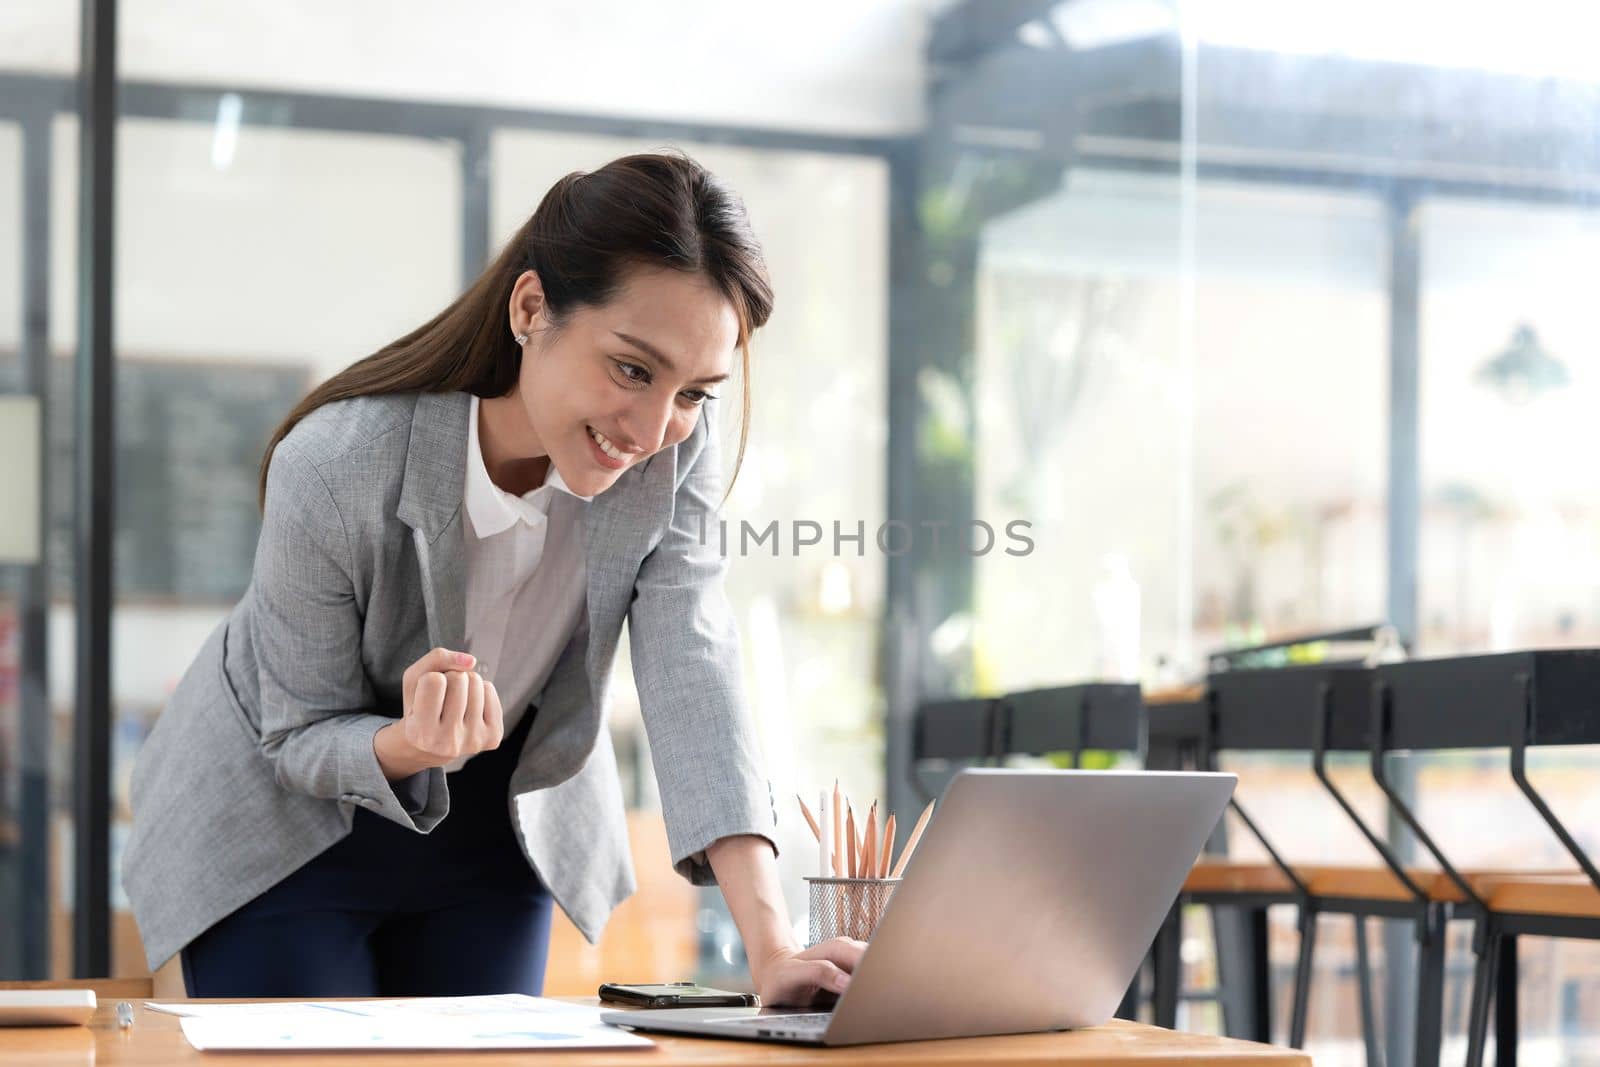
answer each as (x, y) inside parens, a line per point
(816, 831)
(850, 832)
(869, 866)
(839, 834)
(911, 842)
(824, 839)
(888, 847)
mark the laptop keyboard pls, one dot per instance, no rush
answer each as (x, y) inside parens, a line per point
(817, 1020)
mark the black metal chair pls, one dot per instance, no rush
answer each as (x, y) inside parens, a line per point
(1514, 700)
(965, 729)
(1278, 709)
(1181, 735)
(1324, 709)
(1175, 734)
(1075, 718)
(1096, 716)
(1316, 709)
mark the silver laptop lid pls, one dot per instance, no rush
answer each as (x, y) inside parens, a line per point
(1030, 902)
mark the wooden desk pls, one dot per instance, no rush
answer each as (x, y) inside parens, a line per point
(155, 1039)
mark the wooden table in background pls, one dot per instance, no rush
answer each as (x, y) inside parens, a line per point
(155, 1039)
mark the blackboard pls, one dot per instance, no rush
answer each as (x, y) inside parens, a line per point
(189, 444)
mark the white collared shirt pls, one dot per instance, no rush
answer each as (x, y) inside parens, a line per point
(526, 579)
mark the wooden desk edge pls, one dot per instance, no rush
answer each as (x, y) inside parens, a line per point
(157, 1039)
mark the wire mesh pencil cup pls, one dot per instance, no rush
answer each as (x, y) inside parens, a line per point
(848, 907)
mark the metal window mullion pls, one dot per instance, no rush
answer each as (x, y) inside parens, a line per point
(93, 481)
(33, 889)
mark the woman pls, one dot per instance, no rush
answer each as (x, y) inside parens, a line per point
(388, 761)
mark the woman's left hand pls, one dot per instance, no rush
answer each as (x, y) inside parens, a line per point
(802, 978)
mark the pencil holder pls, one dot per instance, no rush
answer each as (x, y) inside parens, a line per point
(848, 907)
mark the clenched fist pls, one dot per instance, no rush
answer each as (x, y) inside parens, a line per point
(449, 712)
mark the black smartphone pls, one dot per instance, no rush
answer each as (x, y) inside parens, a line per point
(675, 995)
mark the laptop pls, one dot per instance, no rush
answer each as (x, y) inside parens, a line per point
(1028, 906)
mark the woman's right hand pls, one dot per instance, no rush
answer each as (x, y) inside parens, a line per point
(449, 712)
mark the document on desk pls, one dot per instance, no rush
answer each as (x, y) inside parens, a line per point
(507, 1021)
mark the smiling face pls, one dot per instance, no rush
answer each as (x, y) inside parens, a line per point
(616, 383)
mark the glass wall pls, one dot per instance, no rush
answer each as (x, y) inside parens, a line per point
(1081, 335)
(11, 255)
(1078, 429)
(19, 549)
(36, 735)
(1252, 221)
(1509, 526)
(1464, 250)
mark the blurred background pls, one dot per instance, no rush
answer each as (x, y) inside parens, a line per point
(1267, 319)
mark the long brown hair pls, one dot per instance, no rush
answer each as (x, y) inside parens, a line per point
(657, 210)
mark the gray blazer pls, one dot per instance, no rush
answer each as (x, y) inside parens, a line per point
(265, 750)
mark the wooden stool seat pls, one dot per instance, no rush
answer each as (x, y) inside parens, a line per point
(1540, 892)
(1178, 694)
(1568, 893)
(1221, 876)
(1376, 883)
(1379, 883)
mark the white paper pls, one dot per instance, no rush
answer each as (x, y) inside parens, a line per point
(411, 1006)
(501, 1021)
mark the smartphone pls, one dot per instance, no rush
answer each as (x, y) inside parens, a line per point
(675, 995)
